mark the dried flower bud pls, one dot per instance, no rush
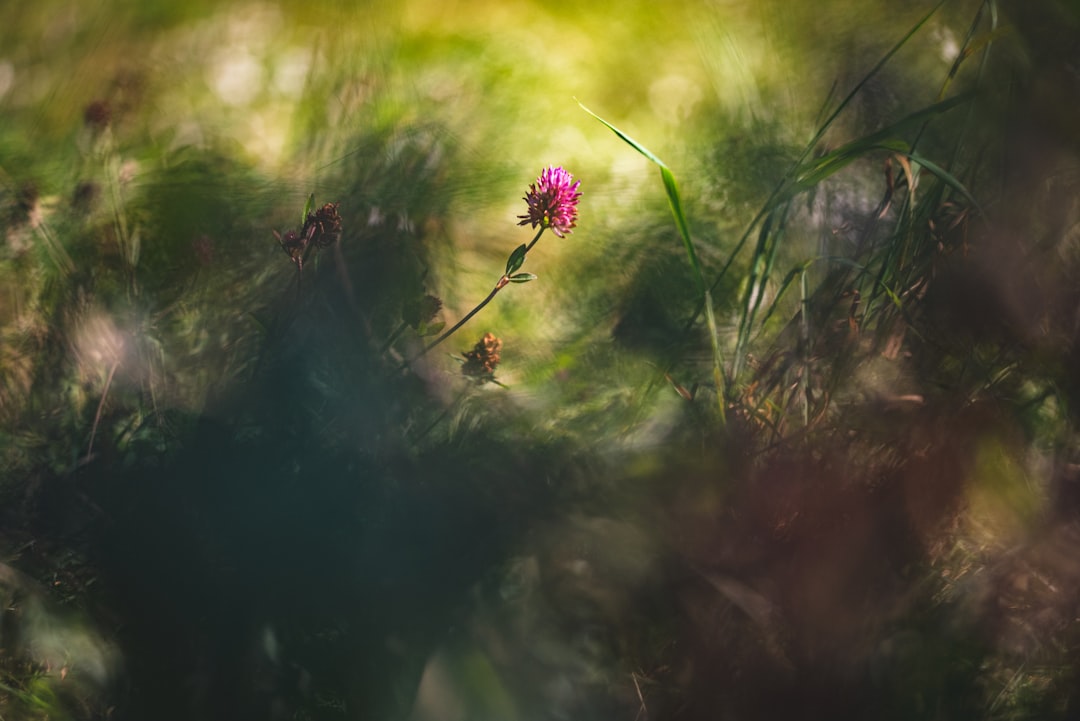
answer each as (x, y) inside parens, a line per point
(481, 361)
(323, 226)
(293, 245)
(321, 229)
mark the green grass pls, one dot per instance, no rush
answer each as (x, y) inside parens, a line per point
(827, 372)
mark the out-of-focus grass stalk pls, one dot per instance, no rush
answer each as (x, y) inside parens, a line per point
(100, 407)
(127, 239)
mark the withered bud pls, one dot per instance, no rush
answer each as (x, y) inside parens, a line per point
(323, 226)
(481, 361)
(293, 245)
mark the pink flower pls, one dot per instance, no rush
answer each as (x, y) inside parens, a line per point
(553, 200)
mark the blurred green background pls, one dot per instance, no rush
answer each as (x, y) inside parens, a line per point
(232, 488)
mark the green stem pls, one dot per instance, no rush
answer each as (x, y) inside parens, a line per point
(531, 244)
(498, 286)
(503, 281)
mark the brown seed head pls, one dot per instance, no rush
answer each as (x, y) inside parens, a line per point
(323, 226)
(481, 361)
(293, 245)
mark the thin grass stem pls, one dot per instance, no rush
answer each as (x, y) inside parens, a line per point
(100, 407)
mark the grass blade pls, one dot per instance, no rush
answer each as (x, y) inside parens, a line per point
(945, 177)
(873, 71)
(671, 188)
(626, 138)
(885, 138)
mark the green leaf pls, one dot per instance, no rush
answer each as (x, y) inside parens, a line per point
(516, 259)
(308, 207)
(522, 278)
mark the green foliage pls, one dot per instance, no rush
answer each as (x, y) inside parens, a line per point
(848, 492)
(516, 259)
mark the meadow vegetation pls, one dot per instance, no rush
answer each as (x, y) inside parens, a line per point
(779, 418)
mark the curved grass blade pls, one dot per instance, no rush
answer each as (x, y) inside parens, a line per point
(790, 184)
(672, 190)
(783, 188)
(886, 138)
(626, 138)
(873, 71)
(675, 202)
(946, 177)
(892, 295)
(799, 269)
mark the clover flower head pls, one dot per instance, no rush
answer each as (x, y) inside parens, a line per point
(553, 201)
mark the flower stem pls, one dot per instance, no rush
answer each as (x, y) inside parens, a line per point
(538, 234)
(498, 286)
(503, 281)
